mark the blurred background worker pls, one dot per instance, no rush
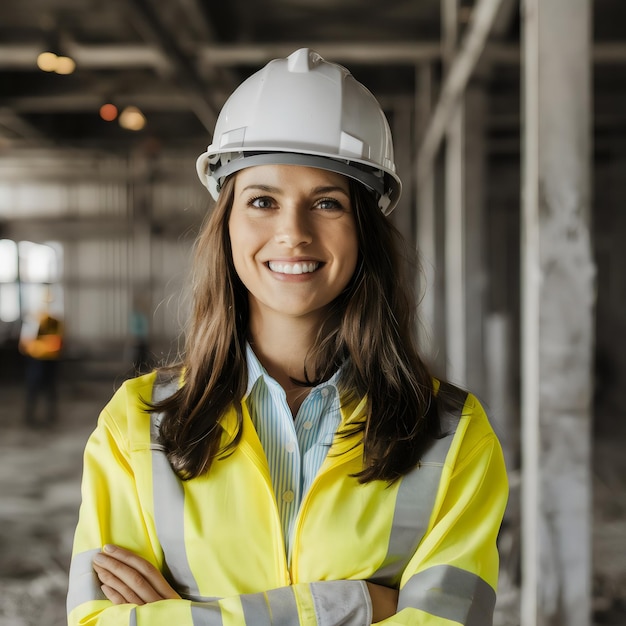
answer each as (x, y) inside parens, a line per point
(41, 340)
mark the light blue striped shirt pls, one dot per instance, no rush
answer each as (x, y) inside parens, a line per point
(295, 448)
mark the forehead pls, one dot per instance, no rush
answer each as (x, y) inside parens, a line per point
(286, 177)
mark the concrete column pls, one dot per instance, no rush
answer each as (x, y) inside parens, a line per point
(557, 314)
(500, 385)
(454, 268)
(474, 238)
(426, 235)
(456, 313)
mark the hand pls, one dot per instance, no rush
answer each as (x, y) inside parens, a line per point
(384, 601)
(129, 579)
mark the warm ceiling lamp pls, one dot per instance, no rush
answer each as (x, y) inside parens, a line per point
(51, 62)
(108, 112)
(131, 118)
(54, 57)
(65, 65)
(47, 61)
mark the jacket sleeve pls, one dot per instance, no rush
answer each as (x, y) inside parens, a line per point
(111, 512)
(452, 577)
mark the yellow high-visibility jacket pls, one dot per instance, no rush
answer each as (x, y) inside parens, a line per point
(218, 538)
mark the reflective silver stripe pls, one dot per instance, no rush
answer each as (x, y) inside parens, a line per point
(343, 602)
(276, 607)
(206, 614)
(83, 583)
(169, 505)
(132, 618)
(256, 610)
(414, 505)
(452, 593)
(283, 607)
(197, 597)
(417, 492)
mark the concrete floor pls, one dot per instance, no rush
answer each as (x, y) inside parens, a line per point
(40, 474)
(39, 485)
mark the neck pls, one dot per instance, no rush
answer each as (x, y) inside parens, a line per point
(282, 353)
(282, 345)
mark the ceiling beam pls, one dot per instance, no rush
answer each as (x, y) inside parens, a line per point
(370, 53)
(380, 53)
(23, 57)
(504, 18)
(185, 73)
(469, 52)
(223, 80)
(74, 102)
(98, 57)
(502, 23)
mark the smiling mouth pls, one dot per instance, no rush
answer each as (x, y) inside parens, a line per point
(305, 267)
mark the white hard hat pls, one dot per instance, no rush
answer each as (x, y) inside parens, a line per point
(303, 110)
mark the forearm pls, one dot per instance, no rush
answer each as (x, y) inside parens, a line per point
(325, 603)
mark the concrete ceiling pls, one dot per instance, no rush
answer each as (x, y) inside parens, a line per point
(178, 60)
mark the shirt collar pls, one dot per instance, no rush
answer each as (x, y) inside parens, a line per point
(256, 371)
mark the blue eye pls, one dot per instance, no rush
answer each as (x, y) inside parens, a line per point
(329, 204)
(261, 202)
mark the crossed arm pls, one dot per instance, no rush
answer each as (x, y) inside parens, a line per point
(128, 578)
(450, 579)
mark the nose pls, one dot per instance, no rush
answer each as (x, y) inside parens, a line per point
(293, 228)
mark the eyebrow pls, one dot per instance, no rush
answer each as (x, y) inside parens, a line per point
(261, 187)
(330, 188)
(316, 190)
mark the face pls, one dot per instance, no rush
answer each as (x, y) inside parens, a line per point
(293, 238)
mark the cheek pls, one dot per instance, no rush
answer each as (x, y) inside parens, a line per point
(245, 243)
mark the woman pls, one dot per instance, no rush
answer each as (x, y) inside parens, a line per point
(300, 465)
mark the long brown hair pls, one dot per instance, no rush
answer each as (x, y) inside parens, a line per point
(369, 328)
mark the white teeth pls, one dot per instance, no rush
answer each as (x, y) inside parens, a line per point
(293, 268)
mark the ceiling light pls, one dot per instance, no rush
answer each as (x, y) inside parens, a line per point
(108, 112)
(132, 118)
(47, 61)
(65, 65)
(51, 62)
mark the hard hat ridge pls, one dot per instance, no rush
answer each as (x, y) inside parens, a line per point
(307, 111)
(303, 60)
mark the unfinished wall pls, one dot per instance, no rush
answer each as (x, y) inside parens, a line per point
(126, 225)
